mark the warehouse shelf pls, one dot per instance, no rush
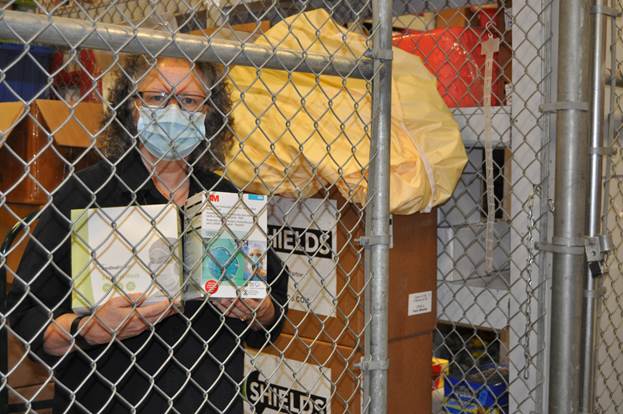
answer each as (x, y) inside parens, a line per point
(481, 302)
(472, 121)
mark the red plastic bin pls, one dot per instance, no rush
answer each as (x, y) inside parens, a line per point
(454, 56)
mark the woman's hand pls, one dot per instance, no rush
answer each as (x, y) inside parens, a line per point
(118, 316)
(261, 312)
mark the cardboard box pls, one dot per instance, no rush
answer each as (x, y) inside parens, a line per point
(32, 159)
(327, 291)
(409, 377)
(26, 141)
(297, 375)
(453, 17)
(326, 275)
(225, 245)
(124, 250)
(412, 275)
(36, 393)
(23, 371)
(420, 21)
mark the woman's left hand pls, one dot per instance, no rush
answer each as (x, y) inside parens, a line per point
(260, 312)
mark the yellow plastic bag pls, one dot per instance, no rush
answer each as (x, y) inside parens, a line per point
(315, 132)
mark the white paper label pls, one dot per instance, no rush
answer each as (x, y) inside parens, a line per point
(508, 18)
(304, 236)
(282, 385)
(419, 303)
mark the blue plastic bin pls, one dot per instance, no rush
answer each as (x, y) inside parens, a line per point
(482, 391)
(25, 77)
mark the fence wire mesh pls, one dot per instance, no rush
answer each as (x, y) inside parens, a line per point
(198, 295)
(609, 340)
(300, 137)
(491, 279)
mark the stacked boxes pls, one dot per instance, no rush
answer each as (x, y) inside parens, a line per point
(32, 167)
(311, 377)
(323, 332)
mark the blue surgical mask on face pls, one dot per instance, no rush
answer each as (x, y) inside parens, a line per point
(170, 133)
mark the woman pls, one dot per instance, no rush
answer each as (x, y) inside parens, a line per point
(128, 354)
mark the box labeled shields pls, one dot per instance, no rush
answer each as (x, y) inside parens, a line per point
(299, 376)
(302, 376)
(319, 240)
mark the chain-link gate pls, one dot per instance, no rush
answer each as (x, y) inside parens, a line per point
(608, 387)
(493, 63)
(193, 294)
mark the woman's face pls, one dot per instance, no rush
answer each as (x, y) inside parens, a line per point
(172, 76)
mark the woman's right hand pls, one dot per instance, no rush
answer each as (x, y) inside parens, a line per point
(125, 316)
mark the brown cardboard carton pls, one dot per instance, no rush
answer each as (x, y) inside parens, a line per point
(33, 160)
(11, 111)
(300, 376)
(23, 371)
(27, 139)
(413, 275)
(453, 18)
(409, 377)
(327, 299)
(318, 244)
(39, 394)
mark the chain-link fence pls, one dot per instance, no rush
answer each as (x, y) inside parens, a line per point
(493, 64)
(211, 256)
(227, 247)
(608, 366)
(608, 391)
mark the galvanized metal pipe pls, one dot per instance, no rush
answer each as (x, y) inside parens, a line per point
(377, 213)
(570, 205)
(66, 32)
(593, 284)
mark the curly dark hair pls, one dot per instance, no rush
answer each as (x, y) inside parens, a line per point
(120, 131)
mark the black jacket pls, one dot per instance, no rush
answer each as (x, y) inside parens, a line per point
(186, 364)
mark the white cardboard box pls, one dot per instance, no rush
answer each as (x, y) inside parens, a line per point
(125, 250)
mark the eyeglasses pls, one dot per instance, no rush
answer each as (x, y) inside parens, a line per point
(187, 102)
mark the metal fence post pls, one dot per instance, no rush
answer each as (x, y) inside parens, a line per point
(594, 277)
(377, 216)
(570, 213)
